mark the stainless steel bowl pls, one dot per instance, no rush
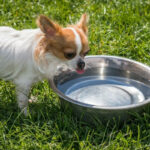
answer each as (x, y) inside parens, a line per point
(111, 87)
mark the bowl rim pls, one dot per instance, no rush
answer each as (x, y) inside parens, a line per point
(126, 107)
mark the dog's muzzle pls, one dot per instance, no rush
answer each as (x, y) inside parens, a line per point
(81, 64)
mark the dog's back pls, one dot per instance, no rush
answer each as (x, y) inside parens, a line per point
(13, 51)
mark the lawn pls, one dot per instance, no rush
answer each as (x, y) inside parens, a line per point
(116, 27)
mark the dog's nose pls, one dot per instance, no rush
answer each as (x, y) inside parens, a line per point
(81, 64)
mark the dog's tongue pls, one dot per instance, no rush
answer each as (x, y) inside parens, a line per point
(80, 71)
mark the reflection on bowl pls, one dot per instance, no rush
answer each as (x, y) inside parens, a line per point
(111, 87)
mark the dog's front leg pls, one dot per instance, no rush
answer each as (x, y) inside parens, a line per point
(22, 92)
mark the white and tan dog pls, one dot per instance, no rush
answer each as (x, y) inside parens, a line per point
(31, 55)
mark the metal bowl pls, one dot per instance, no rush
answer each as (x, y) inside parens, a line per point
(111, 87)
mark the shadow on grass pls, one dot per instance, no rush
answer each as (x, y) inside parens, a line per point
(67, 128)
(49, 111)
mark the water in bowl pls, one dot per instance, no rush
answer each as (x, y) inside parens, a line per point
(109, 91)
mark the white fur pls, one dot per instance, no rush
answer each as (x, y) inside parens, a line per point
(17, 61)
(73, 63)
(77, 40)
(16, 48)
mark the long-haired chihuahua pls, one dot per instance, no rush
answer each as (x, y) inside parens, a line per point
(31, 55)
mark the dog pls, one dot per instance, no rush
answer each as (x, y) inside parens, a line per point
(31, 55)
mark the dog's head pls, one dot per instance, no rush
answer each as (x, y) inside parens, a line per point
(69, 45)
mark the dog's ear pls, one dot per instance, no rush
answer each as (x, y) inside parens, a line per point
(47, 26)
(83, 23)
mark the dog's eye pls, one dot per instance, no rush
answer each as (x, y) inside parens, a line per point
(69, 55)
(86, 53)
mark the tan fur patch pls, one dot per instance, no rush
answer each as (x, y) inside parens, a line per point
(84, 40)
(58, 45)
(39, 50)
(47, 26)
(82, 24)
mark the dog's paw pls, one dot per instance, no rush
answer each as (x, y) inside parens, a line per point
(33, 99)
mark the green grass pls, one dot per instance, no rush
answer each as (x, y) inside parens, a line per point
(116, 27)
